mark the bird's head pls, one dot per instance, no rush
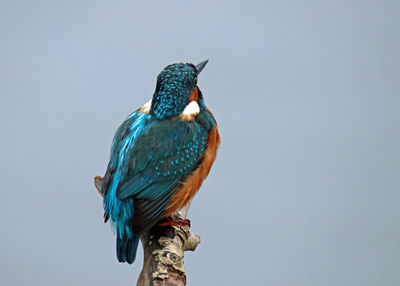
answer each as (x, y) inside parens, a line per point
(176, 87)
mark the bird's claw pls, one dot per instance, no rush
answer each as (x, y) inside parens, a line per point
(174, 222)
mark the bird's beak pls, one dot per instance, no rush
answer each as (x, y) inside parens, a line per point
(200, 66)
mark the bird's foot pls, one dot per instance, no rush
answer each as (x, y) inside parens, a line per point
(169, 221)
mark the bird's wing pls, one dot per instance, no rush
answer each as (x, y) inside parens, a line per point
(122, 145)
(161, 158)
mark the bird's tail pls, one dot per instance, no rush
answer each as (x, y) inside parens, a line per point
(126, 248)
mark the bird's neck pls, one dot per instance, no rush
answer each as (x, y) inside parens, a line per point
(166, 106)
(168, 103)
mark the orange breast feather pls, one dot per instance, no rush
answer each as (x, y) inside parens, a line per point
(189, 188)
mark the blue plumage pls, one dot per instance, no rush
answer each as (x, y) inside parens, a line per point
(174, 85)
(119, 211)
(152, 155)
(126, 248)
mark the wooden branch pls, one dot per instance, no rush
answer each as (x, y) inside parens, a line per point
(163, 248)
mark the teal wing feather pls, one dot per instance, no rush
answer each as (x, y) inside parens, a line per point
(149, 159)
(121, 211)
(162, 157)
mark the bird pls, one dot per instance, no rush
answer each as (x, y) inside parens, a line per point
(160, 156)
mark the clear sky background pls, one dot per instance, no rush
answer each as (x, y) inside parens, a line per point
(306, 187)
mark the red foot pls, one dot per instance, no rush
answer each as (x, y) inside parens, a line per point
(171, 222)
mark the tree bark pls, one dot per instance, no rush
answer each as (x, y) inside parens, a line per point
(163, 249)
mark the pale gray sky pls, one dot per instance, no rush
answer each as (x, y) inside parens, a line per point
(305, 190)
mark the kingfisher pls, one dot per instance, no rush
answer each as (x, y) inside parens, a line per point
(160, 156)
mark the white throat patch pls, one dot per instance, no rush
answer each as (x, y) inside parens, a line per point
(188, 114)
(190, 111)
(146, 107)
